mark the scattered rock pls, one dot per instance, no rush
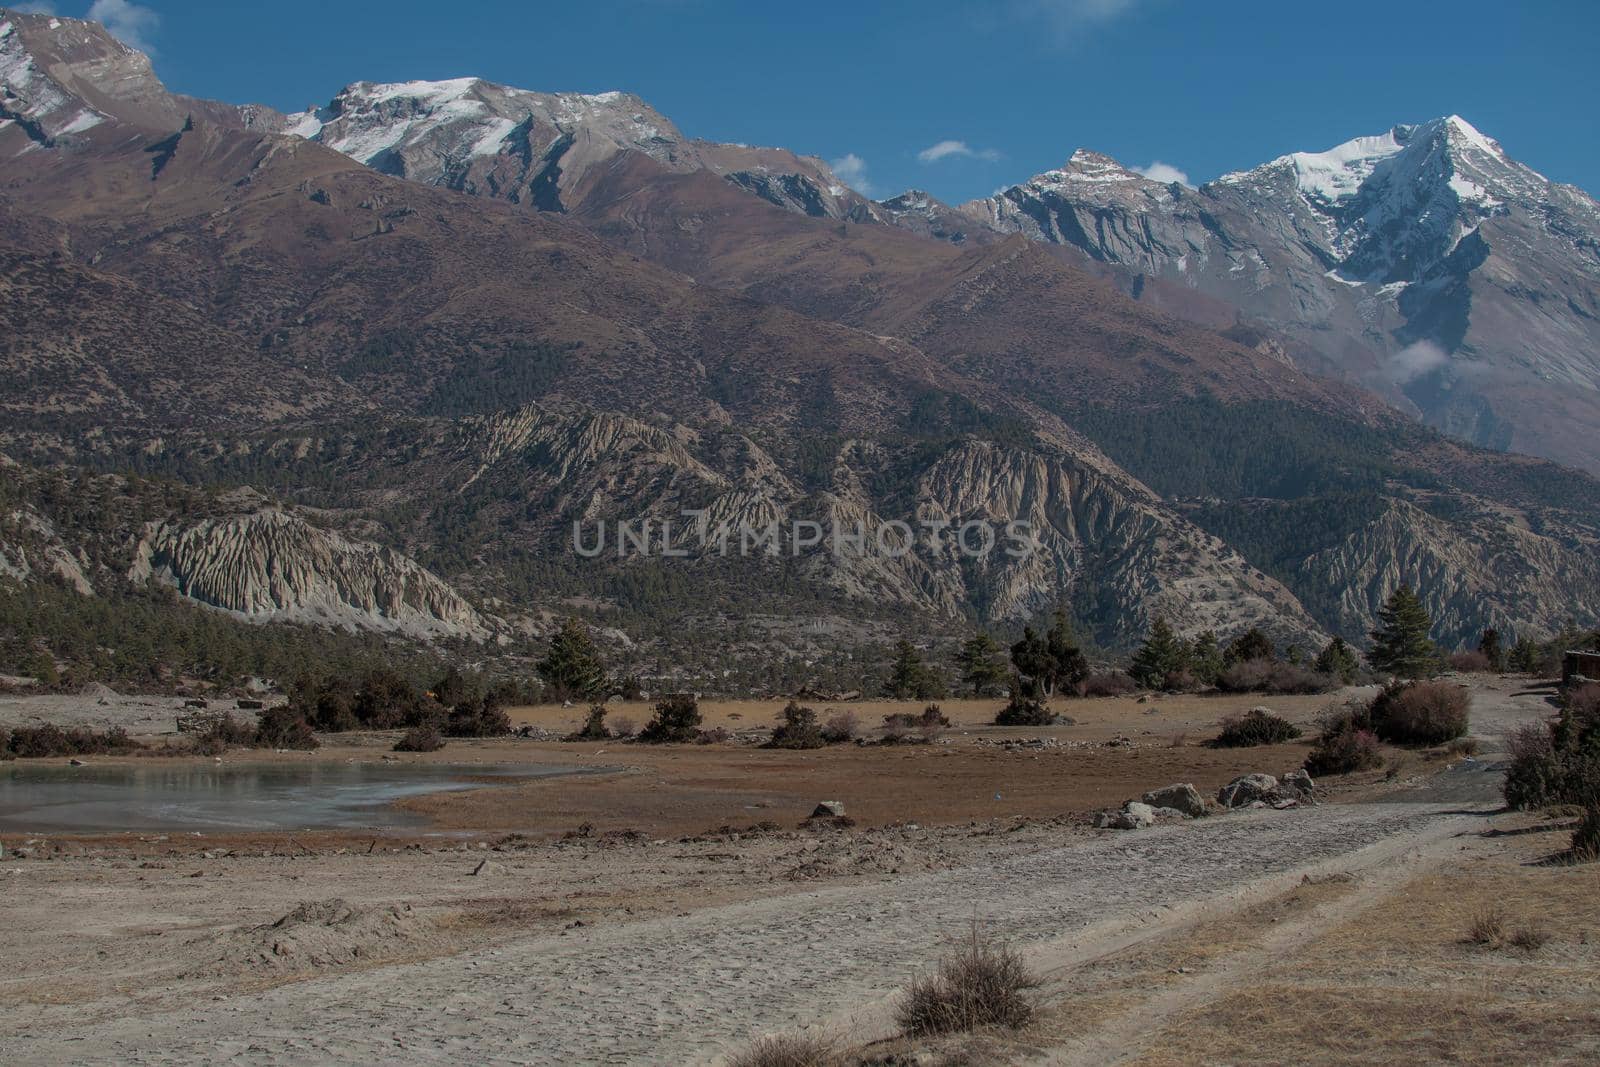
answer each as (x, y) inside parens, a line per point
(1133, 816)
(76, 762)
(1247, 789)
(1182, 796)
(829, 809)
(1300, 782)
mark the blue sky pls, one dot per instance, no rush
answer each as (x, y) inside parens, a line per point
(1007, 88)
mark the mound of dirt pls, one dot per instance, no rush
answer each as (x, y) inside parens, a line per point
(320, 934)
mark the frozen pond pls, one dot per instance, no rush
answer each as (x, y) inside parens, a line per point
(230, 796)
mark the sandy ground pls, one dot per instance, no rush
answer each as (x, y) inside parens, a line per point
(652, 942)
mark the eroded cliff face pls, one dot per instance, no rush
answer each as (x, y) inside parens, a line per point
(274, 566)
(1094, 537)
(1472, 571)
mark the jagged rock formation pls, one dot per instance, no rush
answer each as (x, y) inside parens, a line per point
(274, 566)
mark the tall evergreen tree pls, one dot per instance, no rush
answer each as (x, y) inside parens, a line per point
(1069, 666)
(573, 667)
(1252, 644)
(1493, 650)
(1205, 658)
(910, 678)
(1401, 644)
(982, 670)
(1337, 659)
(1162, 654)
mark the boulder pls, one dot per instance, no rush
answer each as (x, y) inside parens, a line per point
(1248, 789)
(829, 809)
(1134, 816)
(1181, 795)
(1299, 782)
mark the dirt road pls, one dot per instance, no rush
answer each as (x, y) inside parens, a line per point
(688, 988)
(685, 989)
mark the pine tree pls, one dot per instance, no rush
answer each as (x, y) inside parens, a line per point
(1033, 663)
(910, 678)
(573, 667)
(1401, 645)
(1250, 645)
(1205, 658)
(1163, 653)
(981, 668)
(1338, 660)
(1068, 666)
(1489, 644)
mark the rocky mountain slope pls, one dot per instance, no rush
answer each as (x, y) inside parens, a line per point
(1424, 263)
(539, 148)
(235, 551)
(442, 364)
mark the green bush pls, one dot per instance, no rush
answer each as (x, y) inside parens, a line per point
(1256, 727)
(1025, 711)
(798, 729)
(676, 721)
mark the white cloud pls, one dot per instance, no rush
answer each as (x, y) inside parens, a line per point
(127, 22)
(852, 170)
(1165, 173)
(1069, 17)
(1413, 361)
(946, 149)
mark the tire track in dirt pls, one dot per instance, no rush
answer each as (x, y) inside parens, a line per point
(685, 989)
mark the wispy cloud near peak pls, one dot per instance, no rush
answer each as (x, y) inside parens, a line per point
(959, 149)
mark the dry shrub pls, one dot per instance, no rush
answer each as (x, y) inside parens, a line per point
(1256, 727)
(980, 984)
(1463, 746)
(715, 736)
(786, 1050)
(423, 738)
(1529, 938)
(478, 718)
(1586, 838)
(623, 726)
(36, 742)
(284, 727)
(1420, 713)
(1534, 777)
(840, 728)
(1114, 684)
(1344, 745)
(1470, 662)
(1488, 926)
(1271, 676)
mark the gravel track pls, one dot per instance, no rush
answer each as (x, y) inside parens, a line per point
(684, 989)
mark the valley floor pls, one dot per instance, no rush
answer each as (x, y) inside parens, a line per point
(1332, 932)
